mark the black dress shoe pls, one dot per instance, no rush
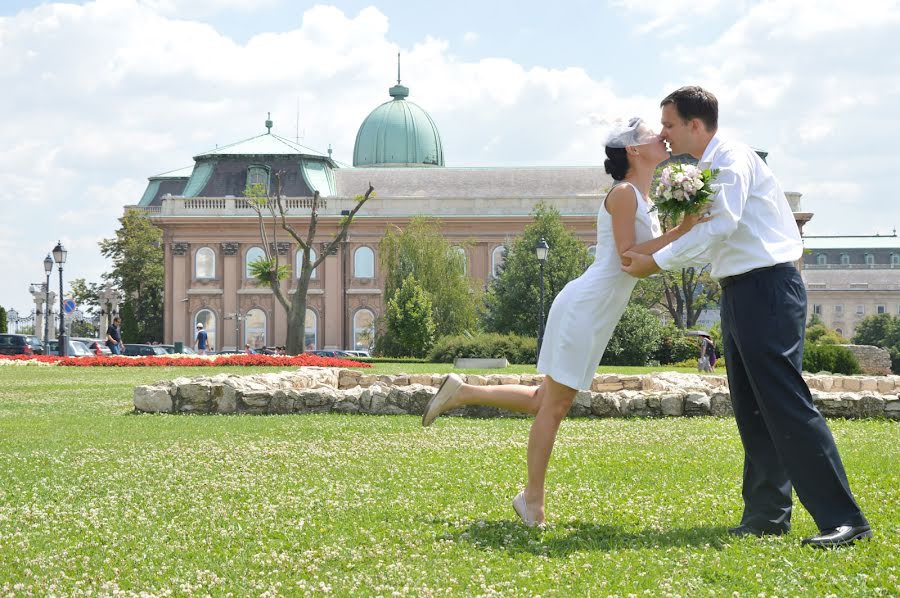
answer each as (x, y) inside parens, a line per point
(842, 535)
(745, 530)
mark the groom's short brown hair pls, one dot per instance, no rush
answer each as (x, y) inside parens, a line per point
(692, 101)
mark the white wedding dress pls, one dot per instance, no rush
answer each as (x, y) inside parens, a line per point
(585, 313)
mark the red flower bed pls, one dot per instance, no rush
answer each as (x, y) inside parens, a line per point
(304, 359)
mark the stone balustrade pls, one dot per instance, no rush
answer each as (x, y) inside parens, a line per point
(334, 390)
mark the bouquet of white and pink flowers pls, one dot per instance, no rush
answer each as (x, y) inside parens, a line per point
(684, 189)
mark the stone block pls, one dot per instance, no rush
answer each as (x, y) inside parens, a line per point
(581, 406)
(282, 401)
(720, 404)
(345, 407)
(851, 384)
(423, 379)
(476, 380)
(672, 404)
(152, 399)
(885, 386)
(870, 405)
(604, 405)
(223, 398)
(869, 384)
(194, 397)
(367, 380)
(892, 407)
(695, 404)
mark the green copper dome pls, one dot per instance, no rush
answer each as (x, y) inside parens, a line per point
(398, 133)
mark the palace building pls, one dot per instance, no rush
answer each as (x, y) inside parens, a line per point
(211, 234)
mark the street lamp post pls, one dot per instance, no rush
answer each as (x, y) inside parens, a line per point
(48, 268)
(541, 250)
(13, 316)
(59, 256)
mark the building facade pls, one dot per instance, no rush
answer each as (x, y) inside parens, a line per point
(849, 278)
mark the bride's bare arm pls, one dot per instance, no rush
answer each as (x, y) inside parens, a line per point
(653, 245)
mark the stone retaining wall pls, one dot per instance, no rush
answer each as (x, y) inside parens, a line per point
(333, 390)
(872, 360)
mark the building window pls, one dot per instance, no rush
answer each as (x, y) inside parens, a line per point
(817, 309)
(205, 263)
(592, 254)
(363, 330)
(839, 309)
(298, 266)
(311, 336)
(258, 175)
(498, 257)
(821, 259)
(463, 258)
(895, 259)
(845, 259)
(364, 263)
(255, 328)
(870, 259)
(860, 310)
(254, 254)
(879, 309)
(208, 319)
(839, 331)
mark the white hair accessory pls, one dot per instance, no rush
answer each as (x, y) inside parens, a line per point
(622, 133)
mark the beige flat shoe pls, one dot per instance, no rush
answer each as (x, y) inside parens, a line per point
(521, 510)
(445, 392)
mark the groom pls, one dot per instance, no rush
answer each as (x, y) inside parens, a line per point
(752, 241)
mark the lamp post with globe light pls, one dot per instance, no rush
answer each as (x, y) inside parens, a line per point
(541, 249)
(59, 256)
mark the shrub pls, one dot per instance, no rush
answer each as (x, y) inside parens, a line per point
(409, 319)
(823, 335)
(675, 347)
(635, 339)
(515, 348)
(829, 358)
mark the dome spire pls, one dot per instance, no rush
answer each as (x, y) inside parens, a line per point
(398, 92)
(269, 124)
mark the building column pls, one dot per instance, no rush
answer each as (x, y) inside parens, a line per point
(180, 258)
(332, 318)
(231, 281)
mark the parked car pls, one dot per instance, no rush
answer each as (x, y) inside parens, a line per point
(134, 350)
(170, 349)
(330, 353)
(20, 344)
(95, 345)
(354, 353)
(74, 348)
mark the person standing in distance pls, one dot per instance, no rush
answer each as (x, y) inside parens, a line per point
(752, 241)
(201, 340)
(114, 337)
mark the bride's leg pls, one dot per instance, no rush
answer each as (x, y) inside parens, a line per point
(512, 397)
(553, 408)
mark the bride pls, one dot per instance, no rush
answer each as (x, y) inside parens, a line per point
(584, 314)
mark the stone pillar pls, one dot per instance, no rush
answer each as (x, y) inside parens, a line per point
(38, 296)
(180, 266)
(332, 318)
(231, 282)
(109, 303)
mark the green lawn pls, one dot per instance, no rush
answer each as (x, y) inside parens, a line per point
(95, 499)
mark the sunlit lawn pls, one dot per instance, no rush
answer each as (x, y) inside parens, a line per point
(96, 499)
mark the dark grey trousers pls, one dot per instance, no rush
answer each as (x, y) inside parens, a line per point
(786, 440)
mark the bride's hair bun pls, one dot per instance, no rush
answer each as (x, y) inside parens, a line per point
(616, 163)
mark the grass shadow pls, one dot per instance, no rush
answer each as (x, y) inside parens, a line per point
(562, 539)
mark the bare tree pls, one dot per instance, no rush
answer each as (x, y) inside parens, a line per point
(271, 211)
(682, 293)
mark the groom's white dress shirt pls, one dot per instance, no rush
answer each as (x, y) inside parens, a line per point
(752, 225)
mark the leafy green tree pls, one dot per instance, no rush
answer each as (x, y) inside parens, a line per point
(409, 319)
(137, 256)
(636, 337)
(3, 323)
(272, 213)
(683, 293)
(86, 295)
(421, 251)
(882, 330)
(512, 304)
(821, 334)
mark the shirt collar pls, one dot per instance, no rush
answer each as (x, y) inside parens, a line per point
(709, 153)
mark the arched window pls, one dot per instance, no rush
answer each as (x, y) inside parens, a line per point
(845, 259)
(258, 175)
(298, 263)
(839, 331)
(821, 259)
(311, 336)
(498, 257)
(463, 258)
(363, 330)
(255, 328)
(364, 263)
(208, 319)
(870, 259)
(205, 263)
(592, 254)
(253, 254)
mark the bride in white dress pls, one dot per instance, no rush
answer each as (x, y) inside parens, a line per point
(584, 314)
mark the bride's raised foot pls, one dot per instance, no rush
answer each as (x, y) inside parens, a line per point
(442, 399)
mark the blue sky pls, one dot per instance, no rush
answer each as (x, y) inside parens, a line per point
(100, 95)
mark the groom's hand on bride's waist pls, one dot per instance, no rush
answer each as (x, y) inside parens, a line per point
(638, 264)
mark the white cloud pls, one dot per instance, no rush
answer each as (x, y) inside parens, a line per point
(470, 38)
(189, 9)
